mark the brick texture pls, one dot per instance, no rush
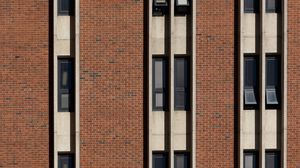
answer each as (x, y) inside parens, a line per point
(215, 83)
(24, 114)
(112, 86)
(293, 159)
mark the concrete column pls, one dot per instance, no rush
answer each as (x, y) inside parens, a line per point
(284, 84)
(262, 84)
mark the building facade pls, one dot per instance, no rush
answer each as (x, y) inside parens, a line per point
(157, 83)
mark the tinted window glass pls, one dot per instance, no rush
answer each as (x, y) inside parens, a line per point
(272, 160)
(181, 161)
(181, 88)
(159, 161)
(251, 6)
(250, 160)
(65, 161)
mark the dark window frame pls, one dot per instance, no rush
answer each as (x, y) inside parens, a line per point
(254, 9)
(162, 153)
(272, 88)
(163, 90)
(251, 152)
(71, 88)
(277, 8)
(186, 154)
(185, 89)
(69, 12)
(255, 88)
(273, 151)
(66, 154)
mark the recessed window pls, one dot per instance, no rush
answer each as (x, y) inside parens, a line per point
(65, 7)
(273, 80)
(65, 85)
(250, 81)
(272, 159)
(250, 159)
(181, 160)
(273, 6)
(181, 88)
(159, 160)
(160, 7)
(159, 83)
(66, 161)
(251, 6)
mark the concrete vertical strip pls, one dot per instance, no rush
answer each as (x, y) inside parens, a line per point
(194, 77)
(284, 81)
(77, 83)
(55, 157)
(149, 84)
(262, 83)
(241, 81)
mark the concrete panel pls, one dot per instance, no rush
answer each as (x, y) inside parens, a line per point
(158, 35)
(158, 130)
(271, 129)
(272, 32)
(63, 27)
(65, 131)
(180, 34)
(249, 44)
(250, 33)
(62, 47)
(250, 124)
(180, 130)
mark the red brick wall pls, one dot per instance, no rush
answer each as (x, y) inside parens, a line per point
(293, 158)
(24, 114)
(215, 83)
(111, 76)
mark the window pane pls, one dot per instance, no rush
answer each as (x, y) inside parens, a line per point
(251, 5)
(271, 96)
(64, 101)
(65, 84)
(159, 161)
(180, 72)
(159, 100)
(65, 161)
(179, 99)
(181, 161)
(272, 159)
(250, 160)
(250, 98)
(250, 72)
(159, 74)
(270, 4)
(181, 82)
(273, 72)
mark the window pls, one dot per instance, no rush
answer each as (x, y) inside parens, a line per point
(273, 6)
(160, 7)
(272, 159)
(251, 6)
(65, 7)
(250, 81)
(272, 80)
(181, 77)
(250, 159)
(181, 160)
(159, 160)
(159, 83)
(65, 85)
(65, 161)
